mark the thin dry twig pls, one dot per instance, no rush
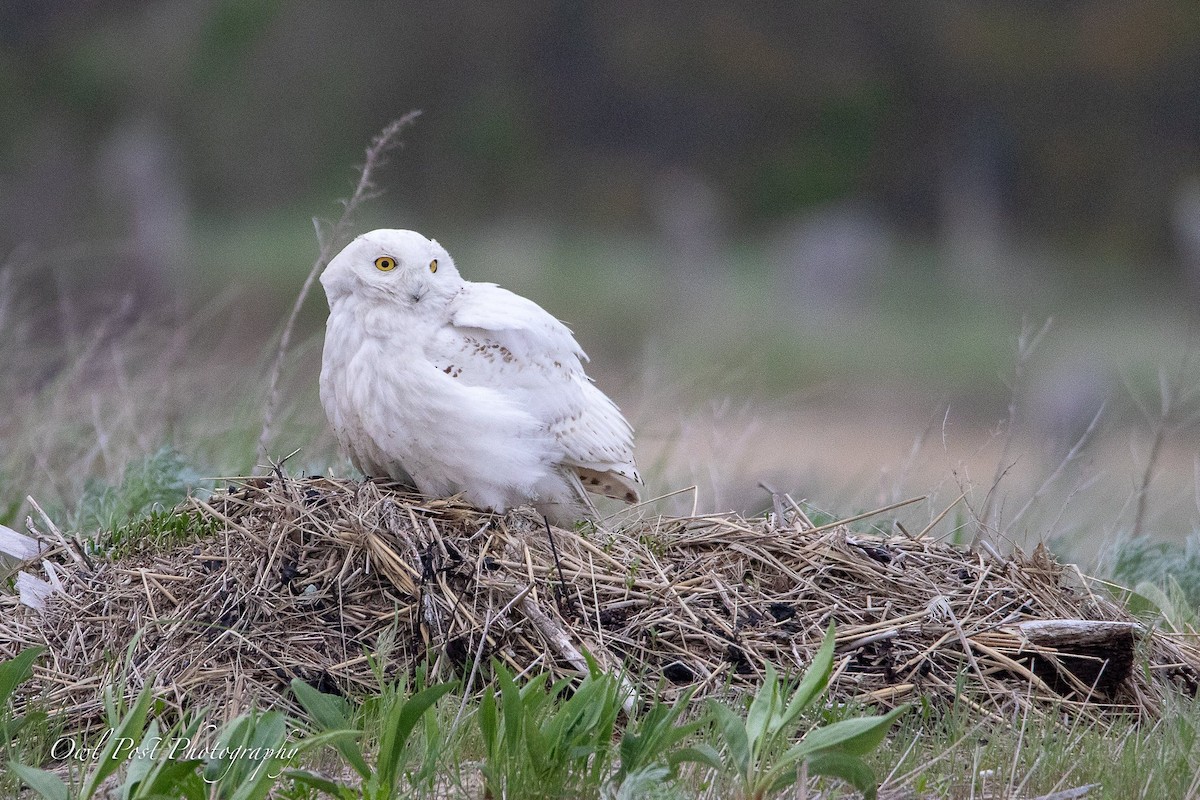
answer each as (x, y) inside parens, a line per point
(1068, 459)
(1028, 342)
(1160, 431)
(386, 140)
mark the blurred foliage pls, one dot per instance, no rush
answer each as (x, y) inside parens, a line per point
(1078, 119)
(1173, 567)
(153, 484)
(810, 202)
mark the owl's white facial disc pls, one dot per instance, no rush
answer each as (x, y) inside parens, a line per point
(392, 266)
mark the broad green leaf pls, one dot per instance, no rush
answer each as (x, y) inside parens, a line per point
(812, 685)
(269, 730)
(733, 732)
(248, 778)
(217, 769)
(536, 745)
(324, 738)
(172, 778)
(258, 777)
(11, 727)
(852, 769)
(141, 764)
(779, 777)
(638, 784)
(324, 785)
(702, 753)
(512, 708)
(167, 775)
(16, 671)
(46, 784)
(857, 736)
(762, 709)
(488, 721)
(326, 711)
(654, 735)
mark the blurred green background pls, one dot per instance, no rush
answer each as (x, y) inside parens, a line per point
(800, 240)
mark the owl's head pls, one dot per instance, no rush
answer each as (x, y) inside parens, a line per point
(392, 265)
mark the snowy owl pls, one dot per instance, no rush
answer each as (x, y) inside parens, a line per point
(453, 386)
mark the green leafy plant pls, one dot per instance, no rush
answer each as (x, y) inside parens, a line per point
(154, 484)
(399, 715)
(13, 673)
(245, 762)
(752, 747)
(249, 756)
(537, 745)
(116, 750)
(154, 771)
(1171, 604)
(1143, 559)
(652, 744)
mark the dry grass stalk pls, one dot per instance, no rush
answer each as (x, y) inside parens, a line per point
(306, 577)
(364, 190)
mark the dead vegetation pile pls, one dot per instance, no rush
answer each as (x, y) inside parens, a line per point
(340, 582)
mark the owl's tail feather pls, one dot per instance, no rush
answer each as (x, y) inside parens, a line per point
(609, 483)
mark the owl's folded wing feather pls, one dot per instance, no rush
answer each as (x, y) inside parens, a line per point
(499, 339)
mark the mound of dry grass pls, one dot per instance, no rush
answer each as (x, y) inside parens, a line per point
(316, 578)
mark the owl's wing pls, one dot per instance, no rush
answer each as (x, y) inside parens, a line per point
(519, 321)
(501, 340)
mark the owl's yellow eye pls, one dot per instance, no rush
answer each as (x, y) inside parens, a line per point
(433, 265)
(385, 263)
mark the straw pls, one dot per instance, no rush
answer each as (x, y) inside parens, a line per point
(304, 577)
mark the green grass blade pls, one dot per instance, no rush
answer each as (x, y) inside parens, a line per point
(402, 718)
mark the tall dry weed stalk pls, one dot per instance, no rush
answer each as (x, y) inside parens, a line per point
(328, 240)
(1176, 395)
(1027, 344)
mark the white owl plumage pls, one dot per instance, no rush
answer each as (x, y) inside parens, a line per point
(461, 387)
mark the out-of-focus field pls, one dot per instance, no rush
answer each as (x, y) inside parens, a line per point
(732, 376)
